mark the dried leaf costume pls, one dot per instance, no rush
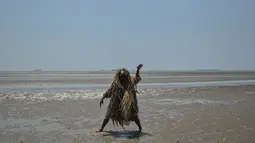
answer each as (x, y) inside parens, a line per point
(123, 106)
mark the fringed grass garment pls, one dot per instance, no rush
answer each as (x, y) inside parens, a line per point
(123, 104)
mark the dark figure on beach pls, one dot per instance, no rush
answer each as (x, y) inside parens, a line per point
(123, 106)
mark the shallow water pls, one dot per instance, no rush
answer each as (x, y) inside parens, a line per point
(82, 92)
(141, 85)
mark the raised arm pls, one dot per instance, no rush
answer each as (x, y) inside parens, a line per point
(137, 77)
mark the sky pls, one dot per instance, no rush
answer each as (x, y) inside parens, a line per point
(97, 34)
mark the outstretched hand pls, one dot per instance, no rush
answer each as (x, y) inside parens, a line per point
(139, 66)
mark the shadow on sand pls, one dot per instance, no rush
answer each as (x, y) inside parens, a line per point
(126, 134)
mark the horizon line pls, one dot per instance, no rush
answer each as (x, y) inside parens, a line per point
(112, 70)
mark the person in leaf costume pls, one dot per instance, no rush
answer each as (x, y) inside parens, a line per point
(123, 107)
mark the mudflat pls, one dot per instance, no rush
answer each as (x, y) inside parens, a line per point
(105, 77)
(210, 114)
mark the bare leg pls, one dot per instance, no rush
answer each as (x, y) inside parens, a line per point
(137, 121)
(104, 124)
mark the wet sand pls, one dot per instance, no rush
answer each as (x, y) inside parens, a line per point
(199, 114)
(188, 114)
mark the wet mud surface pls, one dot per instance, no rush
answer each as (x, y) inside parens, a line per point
(187, 114)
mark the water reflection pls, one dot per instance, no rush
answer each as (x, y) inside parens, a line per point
(141, 85)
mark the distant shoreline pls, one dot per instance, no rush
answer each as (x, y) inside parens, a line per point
(103, 77)
(132, 71)
(108, 83)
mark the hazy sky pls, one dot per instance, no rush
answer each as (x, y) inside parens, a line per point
(105, 34)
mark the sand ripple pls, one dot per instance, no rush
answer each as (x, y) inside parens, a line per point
(61, 95)
(53, 95)
(183, 101)
(69, 94)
